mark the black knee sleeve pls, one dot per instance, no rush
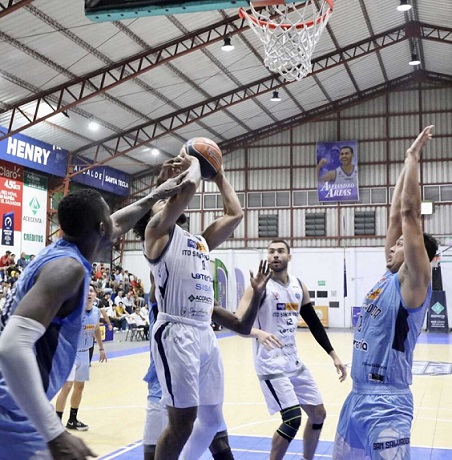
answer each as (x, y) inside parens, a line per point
(317, 426)
(291, 422)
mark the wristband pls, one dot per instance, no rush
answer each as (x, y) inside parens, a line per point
(101, 349)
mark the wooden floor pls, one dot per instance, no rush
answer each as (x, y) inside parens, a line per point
(114, 400)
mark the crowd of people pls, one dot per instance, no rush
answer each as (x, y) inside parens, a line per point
(43, 316)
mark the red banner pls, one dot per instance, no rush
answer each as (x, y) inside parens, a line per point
(11, 186)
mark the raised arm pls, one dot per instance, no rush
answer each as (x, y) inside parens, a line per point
(328, 176)
(243, 321)
(158, 228)
(124, 219)
(220, 230)
(394, 231)
(415, 272)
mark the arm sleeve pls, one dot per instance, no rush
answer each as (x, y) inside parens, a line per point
(309, 315)
(20, 368)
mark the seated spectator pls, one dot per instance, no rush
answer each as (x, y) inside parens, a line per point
(22, 262)
(118, 320)
(4, 259)
(140, 321)
(129, 302)
(119, 297)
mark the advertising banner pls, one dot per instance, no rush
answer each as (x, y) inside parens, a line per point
(34, 213)
(34, 154)
(322, 313)
(337, 171)
(10, 206)
(437, 320)
(103, 178)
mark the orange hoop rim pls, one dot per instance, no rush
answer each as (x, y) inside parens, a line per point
(259, 22)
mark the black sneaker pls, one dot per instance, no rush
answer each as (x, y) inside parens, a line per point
(77, 425)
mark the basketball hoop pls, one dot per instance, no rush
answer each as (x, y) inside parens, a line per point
(289, 33)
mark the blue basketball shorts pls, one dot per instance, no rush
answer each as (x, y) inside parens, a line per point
(375, 426)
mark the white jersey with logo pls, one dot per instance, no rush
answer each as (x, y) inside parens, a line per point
(278, 314)
(342, 177)
(184, 284)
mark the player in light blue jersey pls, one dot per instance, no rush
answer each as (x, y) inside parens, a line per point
(80, 371)
(41, 322)
(375, 421)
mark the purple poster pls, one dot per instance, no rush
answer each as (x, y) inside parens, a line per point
(337, 171)
(240, 285)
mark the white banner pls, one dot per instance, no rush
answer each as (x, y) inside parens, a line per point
(34, 213)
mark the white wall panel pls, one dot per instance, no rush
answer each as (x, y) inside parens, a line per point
(304, 155)
(268, 156)
(371, 175)
(266, 179)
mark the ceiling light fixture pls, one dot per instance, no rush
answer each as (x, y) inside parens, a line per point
(227, 45)
(275, 97)
(93, 126)
(404, 6)
(155, 152)
(414, 60)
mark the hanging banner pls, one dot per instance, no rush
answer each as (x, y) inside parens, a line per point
(437, 320)
(34, 154)
(34, 213)
(10, 206)
(337, 171)
(221, 283)
(102, 177)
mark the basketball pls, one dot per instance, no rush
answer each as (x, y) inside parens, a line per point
(207, 152)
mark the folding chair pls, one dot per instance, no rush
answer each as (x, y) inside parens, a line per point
(134, 331)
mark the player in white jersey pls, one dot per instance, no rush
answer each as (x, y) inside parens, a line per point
(375, 421)
(184, 348)
(286, 383)
(80, 371)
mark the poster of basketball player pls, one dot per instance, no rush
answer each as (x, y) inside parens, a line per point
(337, 171)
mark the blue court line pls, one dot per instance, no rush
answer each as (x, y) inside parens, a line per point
(258, 448)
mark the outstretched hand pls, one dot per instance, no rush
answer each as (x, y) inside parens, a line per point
(418, 144)
(66, 446)
(268, 340)
(259, 282)
(171, 186)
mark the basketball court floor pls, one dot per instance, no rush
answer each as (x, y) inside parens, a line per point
(114, 400)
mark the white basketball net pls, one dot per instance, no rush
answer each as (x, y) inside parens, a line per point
(289, 34)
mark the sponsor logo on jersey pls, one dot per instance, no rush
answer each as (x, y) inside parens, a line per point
(360, 345)
(202, 276)
(203, 287)
(287, 306)
(374, 294)
(192, 244)
(297, 296)
(200, 298)
(275, 295)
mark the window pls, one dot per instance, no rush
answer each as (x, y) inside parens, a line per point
(365, 223)
(268, 226)
(315, 224)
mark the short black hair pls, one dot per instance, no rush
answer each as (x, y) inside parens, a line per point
(431, 245)
(280, 240)
(80, 212)
(140, 227)
(347, 147)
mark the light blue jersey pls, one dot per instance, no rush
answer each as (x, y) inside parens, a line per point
(55, 354)
(89, 324)
(385, 336)
(375, 420)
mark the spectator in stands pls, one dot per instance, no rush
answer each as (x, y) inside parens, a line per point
(22, 262)
(119, 297)
(4, 259)
(140, 320)
(129, 302)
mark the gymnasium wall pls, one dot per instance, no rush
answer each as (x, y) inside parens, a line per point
(321, 269)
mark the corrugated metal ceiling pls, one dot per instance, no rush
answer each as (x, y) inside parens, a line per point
(193, 88)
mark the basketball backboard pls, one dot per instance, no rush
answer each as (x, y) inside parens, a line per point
(117, 10)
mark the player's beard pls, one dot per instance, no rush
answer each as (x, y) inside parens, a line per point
(280, 267)
(182, 219)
